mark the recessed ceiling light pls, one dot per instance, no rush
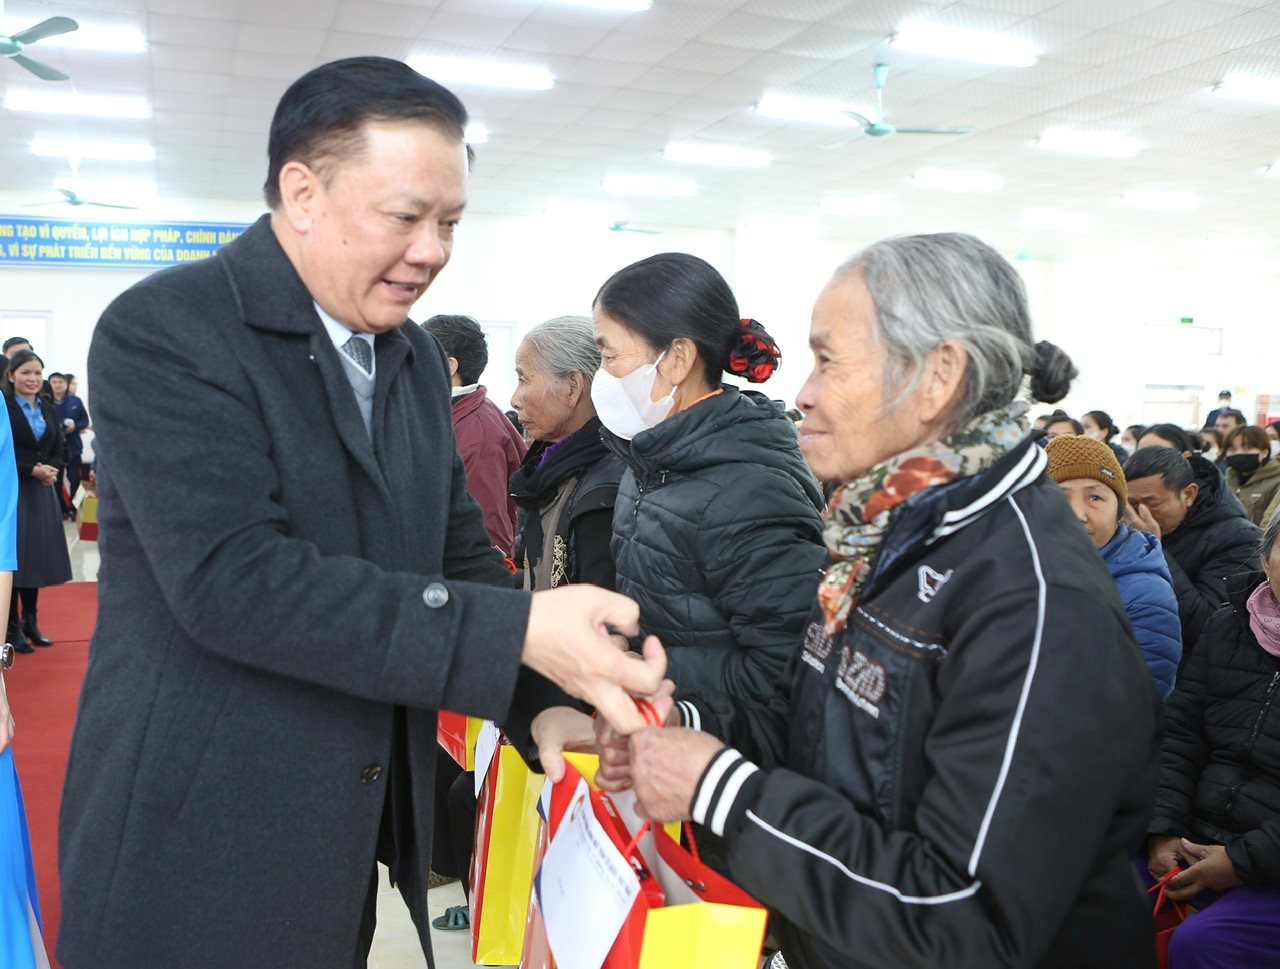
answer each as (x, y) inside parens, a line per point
(113, 40)
(1098, 144)
(630, 6)
(660, 186)
(483, 72)
(476, 133)
(71, 102)
(1246, 88)
(957, 180)
(962, 44)
(1161, 200)
(1048, 219)
(710, 153)
(862, 206)
(104, 150)
(812, 110)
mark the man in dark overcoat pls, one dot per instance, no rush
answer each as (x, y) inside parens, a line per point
(293, 576)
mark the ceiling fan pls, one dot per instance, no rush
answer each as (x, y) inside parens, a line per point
(12, 47)
(877, 127)
(71, 198)
(624, 226)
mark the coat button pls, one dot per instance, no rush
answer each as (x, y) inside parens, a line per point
(370, 774)
(435, 595)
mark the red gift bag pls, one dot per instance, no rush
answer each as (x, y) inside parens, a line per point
(685, 915)
(1168, 920)
(456, 733)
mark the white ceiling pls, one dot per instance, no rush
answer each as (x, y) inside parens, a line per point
(626, 83)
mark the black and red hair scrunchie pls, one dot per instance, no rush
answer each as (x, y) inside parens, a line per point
(754, 355)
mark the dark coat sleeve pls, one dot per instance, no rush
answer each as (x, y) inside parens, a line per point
(1185, 750)
(1231, 548)
(238, 584)
(759, 552)
(1255, 855)
(55, 438)
(965, 882)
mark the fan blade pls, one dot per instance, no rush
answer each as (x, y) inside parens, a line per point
(42, 71)
(854, 116)
(32, 205)
(46, 28)
(856, 136)
(934, 131)
(108, 205)
(71, 196)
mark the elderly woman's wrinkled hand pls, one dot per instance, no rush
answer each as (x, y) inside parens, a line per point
(614, 749)
(1210, 870)
(666, 765)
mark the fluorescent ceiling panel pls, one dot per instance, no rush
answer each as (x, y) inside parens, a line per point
(1246, 88)
(861, 206)
(956, 43)
(1096, 144)
(1160, 200)
(711, 153)
(72, 102)
(810, 110)
(483, 72)
(655, 186)
(104, 150)
(112, 40)
(957, 180)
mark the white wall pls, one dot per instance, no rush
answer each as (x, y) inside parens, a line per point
(1098, 306)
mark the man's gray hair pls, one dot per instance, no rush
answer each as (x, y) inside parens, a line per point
(565, 345)
(1269, 536)
(931, 289)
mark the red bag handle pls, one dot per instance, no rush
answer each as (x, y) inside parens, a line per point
(1162, 885)
(650, 714)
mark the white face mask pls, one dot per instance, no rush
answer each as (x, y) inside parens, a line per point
(1275, 448)
(1211, 455)
(624, 404)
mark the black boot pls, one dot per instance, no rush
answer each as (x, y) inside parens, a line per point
(33, 631)
(18, 639)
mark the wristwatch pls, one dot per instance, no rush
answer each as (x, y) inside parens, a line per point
(6, 656)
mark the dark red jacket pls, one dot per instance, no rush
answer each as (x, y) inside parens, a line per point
(491, 452)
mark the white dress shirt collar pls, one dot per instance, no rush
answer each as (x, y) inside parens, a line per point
(339, 334)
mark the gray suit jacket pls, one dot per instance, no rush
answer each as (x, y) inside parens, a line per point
(272, 586)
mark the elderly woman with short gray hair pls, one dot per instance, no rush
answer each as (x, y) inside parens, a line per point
(962, 755)
(568, 482)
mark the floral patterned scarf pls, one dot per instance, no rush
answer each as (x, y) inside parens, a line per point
(860, 514)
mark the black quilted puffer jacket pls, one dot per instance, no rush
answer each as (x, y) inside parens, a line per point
(1220, 770)
(717, 534)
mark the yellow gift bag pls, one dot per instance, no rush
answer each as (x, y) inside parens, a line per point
(457, 733)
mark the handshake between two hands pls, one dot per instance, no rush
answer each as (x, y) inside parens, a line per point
(569, 641)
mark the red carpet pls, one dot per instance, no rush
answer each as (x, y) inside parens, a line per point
(43, 688)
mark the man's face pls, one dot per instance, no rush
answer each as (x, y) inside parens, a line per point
(15, 348)
(1168, 507)
(373, 235)
(58, 385)
(1225, 424)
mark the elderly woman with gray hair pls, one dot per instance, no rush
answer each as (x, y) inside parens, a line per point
(1217, 815)
(568, 482)
(962, 754)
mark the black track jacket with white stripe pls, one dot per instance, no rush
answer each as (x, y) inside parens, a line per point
(963, 776)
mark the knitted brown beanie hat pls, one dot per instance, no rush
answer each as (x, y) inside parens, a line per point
(1072, 456)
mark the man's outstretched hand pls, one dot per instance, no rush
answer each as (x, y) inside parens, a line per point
(568, 642)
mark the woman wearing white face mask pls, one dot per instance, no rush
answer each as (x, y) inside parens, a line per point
(716, 530)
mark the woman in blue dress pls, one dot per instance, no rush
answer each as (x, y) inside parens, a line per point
(21, 946)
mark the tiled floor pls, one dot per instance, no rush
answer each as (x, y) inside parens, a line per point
(395, 943)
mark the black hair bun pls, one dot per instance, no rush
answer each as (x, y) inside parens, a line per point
(1052, 373)
(753, 355)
